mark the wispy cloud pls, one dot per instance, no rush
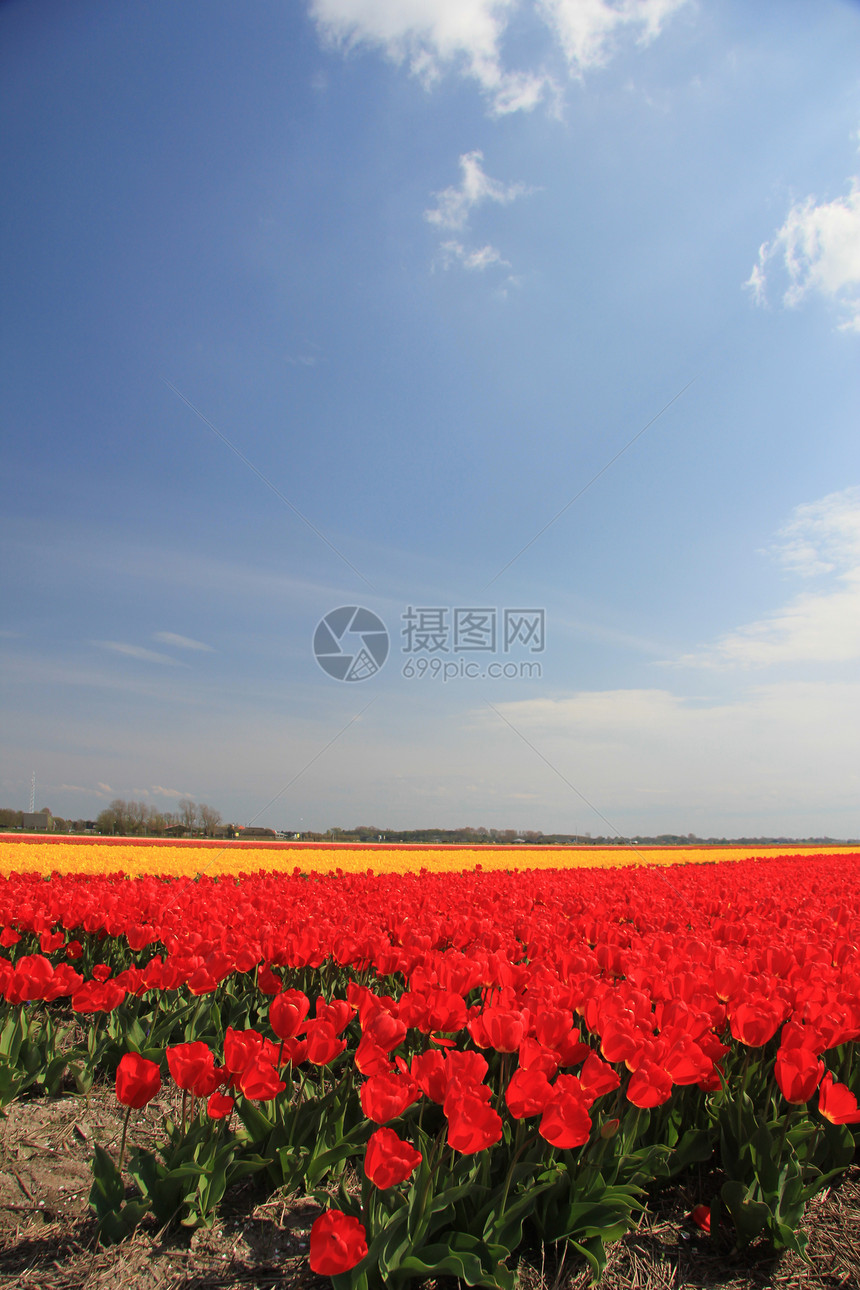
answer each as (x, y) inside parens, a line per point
(821, 539)
(822, 536)
(434, 36)
(456, 203)
(466, 37)
(781, 752)
(818, 247)
(588, 31)
(180, 642)
(175, 793)
(482, 258)
(138, 652)
(454, 207)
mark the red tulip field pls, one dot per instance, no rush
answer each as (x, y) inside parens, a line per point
(453, 1067)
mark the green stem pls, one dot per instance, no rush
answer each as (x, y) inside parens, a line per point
(122, 1142)
(785, 1127)
(527, 1142)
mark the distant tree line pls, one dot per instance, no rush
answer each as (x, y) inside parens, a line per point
(481, 836)
(130, 818)
(127, 819)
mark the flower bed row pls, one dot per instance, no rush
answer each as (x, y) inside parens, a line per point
(452, 1065)
(189, 857)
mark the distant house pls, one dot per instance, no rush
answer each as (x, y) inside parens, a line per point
(36, 821)
(254, 832)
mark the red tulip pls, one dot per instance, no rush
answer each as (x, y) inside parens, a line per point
(701, 1216)
(338, 1243)
(241, 1048)
(565, 1122)
(429, 1071)
(756, 1020)
(597, 1078)
(389, 1160)
(98, 996)
(259, 1081)
(837, 1103)
(504, 1029)
(219, 1106)
(385, 1097)
(685, 1061)
(387, 1032)
(323, 1043)
(370, 1058)
(649, 1086)
(137, 1080)
(267, 982)
(287, 1011)
(473, 1125)
(528, 1093)
(798, 1072)
(191, 1065)
(552, 1026)
(468, 1067)
(337, 1012)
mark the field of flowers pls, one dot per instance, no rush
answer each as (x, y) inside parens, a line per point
(42, 853)
(453, 1064)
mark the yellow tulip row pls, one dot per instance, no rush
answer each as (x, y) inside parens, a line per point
(46, 856)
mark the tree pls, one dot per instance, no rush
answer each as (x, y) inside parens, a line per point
(137, 814)
(209, 818)
(113, 818)
(155, 821)
(188, 813)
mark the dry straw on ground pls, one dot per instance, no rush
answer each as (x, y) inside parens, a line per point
(48, 1237)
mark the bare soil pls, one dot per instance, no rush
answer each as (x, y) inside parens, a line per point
(48, 1238)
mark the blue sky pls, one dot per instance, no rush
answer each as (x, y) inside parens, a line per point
(310, 305)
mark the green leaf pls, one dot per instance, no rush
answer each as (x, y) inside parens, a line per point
(750, 1217)
(464, 1257)
(696, 1147)
(506, 1227)
(323, 1162)
(117, 1217)
(594, 1252)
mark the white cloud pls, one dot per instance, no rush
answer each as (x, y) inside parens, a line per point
(138, 652)
(812, 629)
(104, 788)
(180, 642)
(455, 206)
(434, 36)
(819, 245)
(785, 753)
(822, 538)
(175, 793)
(482, 258)
(586, 29)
